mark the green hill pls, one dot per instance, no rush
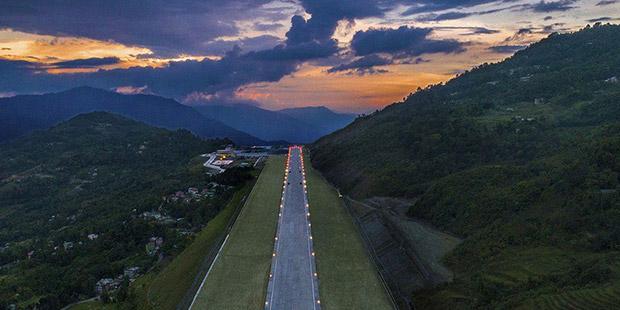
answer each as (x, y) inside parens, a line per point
(72, 200)
(518, 157)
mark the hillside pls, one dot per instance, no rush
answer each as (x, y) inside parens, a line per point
(22, 114)
(82, 201)
(520, 159)
(295, 125)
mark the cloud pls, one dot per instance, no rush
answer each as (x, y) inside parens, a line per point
(551, 6)
(507, 49)
(444, 16)
(402, 42)
(132, 90)
(606, 2)
(520, 35)
(325, 17)
(220, 47)
(86, 63)
(363, 65)
(602, 19)
(222, 98)
(167, 27)
(425, 6)
(268, 27)
(452, 15)
(298, 52)
(176, 80)
(482, 30)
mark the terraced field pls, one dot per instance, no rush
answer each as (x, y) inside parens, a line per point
(586, 299)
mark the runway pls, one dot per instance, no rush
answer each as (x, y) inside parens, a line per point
(293, 280)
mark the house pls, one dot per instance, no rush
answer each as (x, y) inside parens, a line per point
(131, 272)
(154, 245)
(93, 236)
(67, 245)
(152, 214)
(106, 285)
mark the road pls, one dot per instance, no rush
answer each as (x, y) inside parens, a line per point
(293, 282)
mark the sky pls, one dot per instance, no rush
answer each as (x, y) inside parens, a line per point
(349, 55)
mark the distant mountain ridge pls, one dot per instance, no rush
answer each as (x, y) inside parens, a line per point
(24, 113)
(295, 125)
(325, 120)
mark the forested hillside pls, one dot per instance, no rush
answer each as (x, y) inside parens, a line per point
(88, 199)
(520, 158)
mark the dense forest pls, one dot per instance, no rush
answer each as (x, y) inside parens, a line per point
(520, 158)
(95, 196)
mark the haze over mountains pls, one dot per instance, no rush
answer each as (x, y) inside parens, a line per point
(295, 125)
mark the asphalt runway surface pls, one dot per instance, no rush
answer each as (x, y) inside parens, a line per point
(293, 282)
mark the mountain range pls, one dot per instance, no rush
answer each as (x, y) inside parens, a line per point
(295, 125)
(242, 124)
(24, 113)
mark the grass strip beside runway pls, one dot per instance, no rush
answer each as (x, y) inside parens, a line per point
(239, 277)
(347, 277)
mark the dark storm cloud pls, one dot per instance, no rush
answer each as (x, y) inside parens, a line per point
(551, 6)
(507, 49)
(402, 42)
(177, 80)
(168, 27)
(363, 65)
(606, 2)
(220, 47)
(298, 52)
(325, 17)
(87, 63)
